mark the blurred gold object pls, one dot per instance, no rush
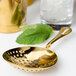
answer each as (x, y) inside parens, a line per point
(12, 15)
(34, 58)
(30, 2)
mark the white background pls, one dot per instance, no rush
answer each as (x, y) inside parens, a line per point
(65, 48)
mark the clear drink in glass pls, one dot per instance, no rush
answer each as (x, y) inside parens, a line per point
(57, 13)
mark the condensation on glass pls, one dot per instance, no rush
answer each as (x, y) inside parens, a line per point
(57, 12)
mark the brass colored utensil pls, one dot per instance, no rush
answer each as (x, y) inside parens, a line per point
(12, 15)
(34, 58)
(30, 2)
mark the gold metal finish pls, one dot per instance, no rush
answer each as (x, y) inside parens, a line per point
(12, 15)
(30, 2)
(63, 32)
(34, 58)
(31, 58)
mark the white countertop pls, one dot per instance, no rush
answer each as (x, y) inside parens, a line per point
(65, 48)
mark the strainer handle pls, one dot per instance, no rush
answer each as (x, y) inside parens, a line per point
(63, 32)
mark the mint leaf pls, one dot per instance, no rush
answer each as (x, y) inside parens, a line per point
(34, 34)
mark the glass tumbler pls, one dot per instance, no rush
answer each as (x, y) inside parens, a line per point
(12, 15)
(57, 13)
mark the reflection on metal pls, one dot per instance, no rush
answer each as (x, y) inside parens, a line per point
(12, 15)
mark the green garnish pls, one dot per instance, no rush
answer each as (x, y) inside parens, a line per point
(34, 34)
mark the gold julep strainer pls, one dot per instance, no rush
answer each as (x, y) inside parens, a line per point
(34, 58)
